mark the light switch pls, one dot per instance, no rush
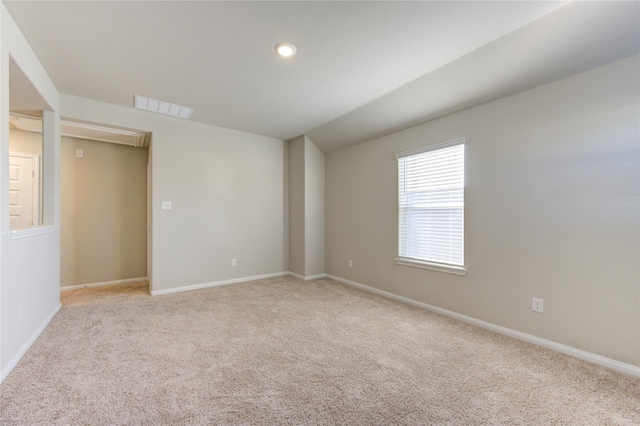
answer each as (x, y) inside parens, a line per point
(79, 153)
(166, 205)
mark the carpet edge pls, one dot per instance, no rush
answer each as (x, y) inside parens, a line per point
(216, 283)
(558, 347)
(25, 347)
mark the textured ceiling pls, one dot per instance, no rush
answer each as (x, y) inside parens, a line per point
(218, 58)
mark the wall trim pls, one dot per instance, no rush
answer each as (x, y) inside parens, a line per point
(26, 345)
(315, 277)
(568, 350)
(32, 232)
(103, 284)
(307, 278)
(216, 283)
(298, 276)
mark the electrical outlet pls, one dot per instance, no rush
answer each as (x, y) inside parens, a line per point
(21, 313)
(234, 262)
(350, 263)
(537, 305)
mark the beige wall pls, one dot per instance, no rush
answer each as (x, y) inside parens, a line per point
(551, 211)
(103, 212)
(226, 187)
(25, 142)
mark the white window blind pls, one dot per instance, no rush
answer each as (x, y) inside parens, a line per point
(431, 205)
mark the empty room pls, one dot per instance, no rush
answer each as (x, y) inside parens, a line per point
(320, 212)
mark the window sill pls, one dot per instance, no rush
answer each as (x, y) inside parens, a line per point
(32, 232)
(449, 269)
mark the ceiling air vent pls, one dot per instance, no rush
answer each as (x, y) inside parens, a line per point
(148, 104)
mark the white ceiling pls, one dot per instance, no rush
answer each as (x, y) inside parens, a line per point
(363, 68)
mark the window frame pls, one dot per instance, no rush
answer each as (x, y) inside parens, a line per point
(426, 264)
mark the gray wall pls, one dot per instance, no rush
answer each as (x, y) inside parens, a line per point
(552, 183)
(314, 202)
(297, 246)
(306, 208)
(103, 212)
(29, 262)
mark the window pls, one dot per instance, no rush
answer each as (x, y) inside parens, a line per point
(431, 207)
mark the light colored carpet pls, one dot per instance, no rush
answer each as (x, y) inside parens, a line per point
(284, 351)
(113, 294)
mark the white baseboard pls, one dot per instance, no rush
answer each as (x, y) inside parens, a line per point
(315, 277)
(307, 278)
(25, 347)
(102, 284)
(298, 276)
(215, 283)
(578, 353)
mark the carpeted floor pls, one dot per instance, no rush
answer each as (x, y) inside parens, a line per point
(284, 351)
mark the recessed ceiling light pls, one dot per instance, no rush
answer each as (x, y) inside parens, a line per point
(286, 49)
(161, 107)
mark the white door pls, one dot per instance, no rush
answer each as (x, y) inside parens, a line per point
(23, 187)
